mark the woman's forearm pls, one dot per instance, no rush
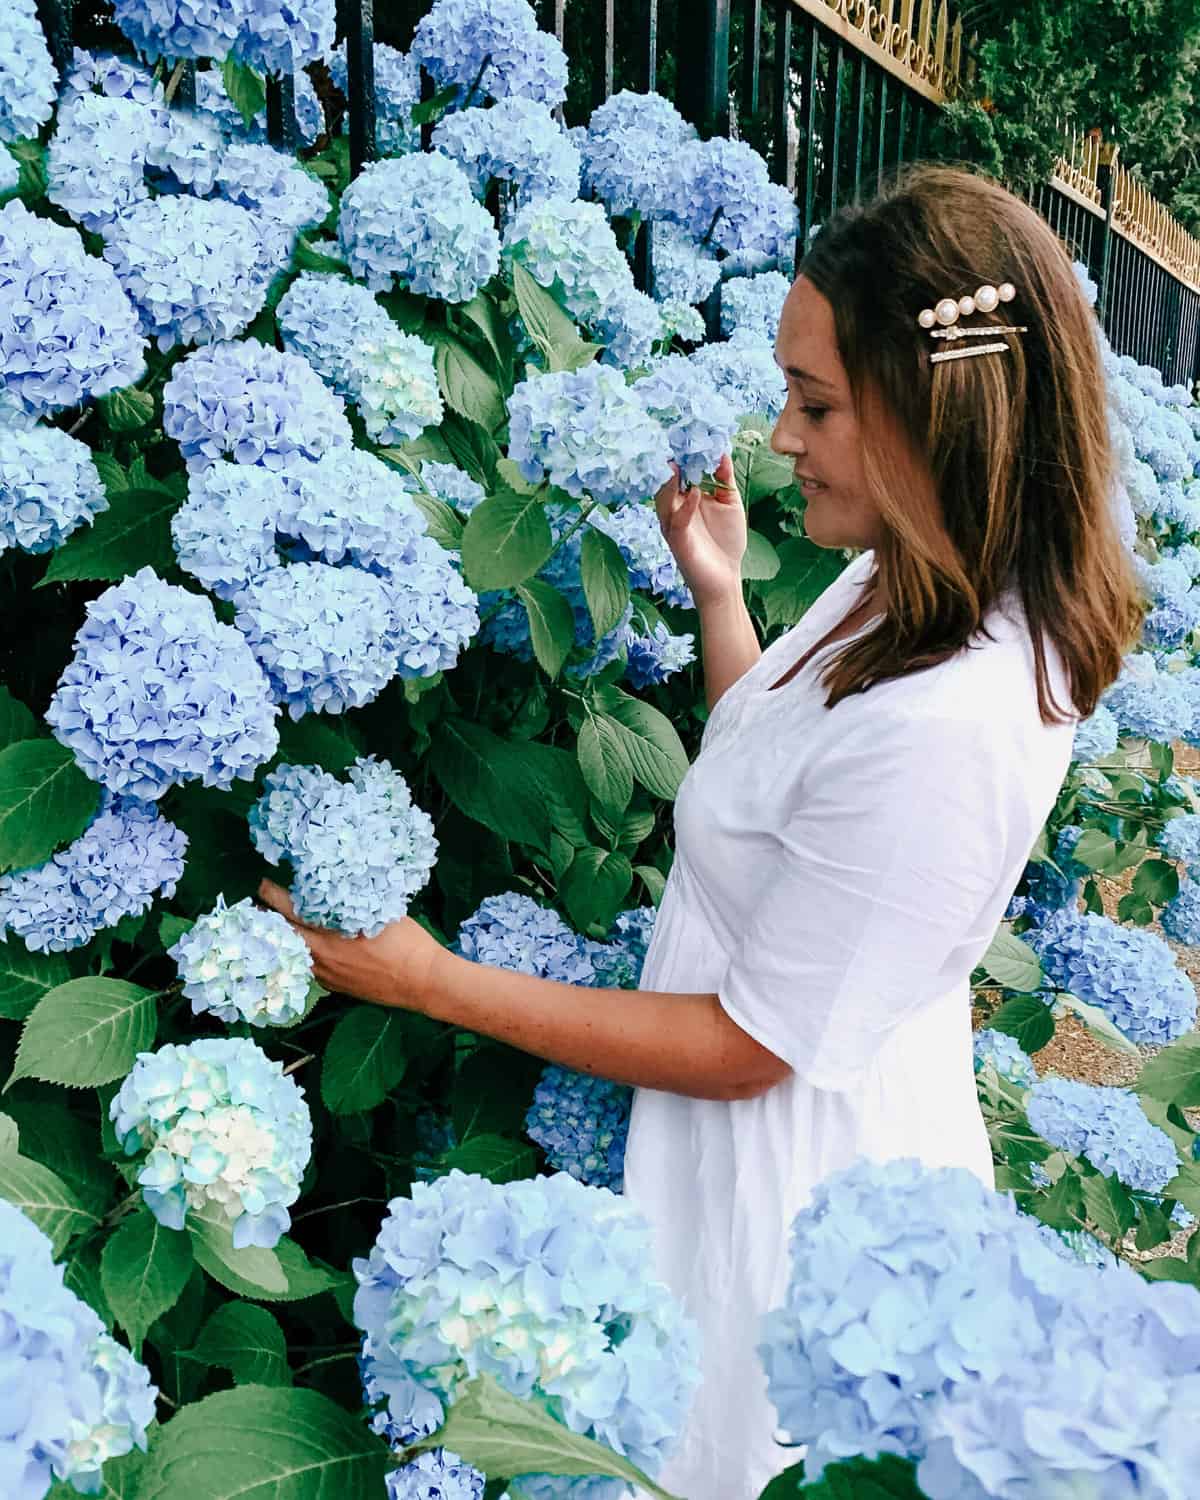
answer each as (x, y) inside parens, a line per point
(728, 643)
(682, 1044)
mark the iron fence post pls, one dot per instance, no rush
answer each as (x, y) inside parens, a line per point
(281, 112)
(1104, 181)
(357, 24)
(702, 47)
(57, 18)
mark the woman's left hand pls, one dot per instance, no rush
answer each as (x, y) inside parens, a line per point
(393, 968)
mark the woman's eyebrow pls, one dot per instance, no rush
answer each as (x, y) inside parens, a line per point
(806, 375)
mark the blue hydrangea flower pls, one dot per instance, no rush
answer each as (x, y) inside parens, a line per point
(1149, 703)
(28, 77)
(651, 563)
(629, 328)
(543, 1284)
(1096, 736)
(95, 163)
(397, 89)
(126, 856)
(590, 433)
(754, 305)
(225, 532)
(224, 1129)
(107, 73)
(360, 849)
(1187, 555)
(196, 271)
(1010, 1059)
(512, 931)
(352, 508)
(411, 222)
(186, 155)
(49, 487)
(744, 371)
(242, 963)
(570, 245)
(1108, 1127)
(160, 692)
(1180, 839)
(684, 271)
(655, 657)
(628, 152)
(679, 321)
(452, 485)
(355, 347)
(1129, 973)
(581, 1123)
(516, 141)
(67, 330)
(439, 1474)
(173, 28)
(700, 424)
(273, 186)
(74, 1397)
(493, 45)
(1180, 918)
(283, 36)
(718, 193)
(434, 613)
(769, 243)
(253, 404)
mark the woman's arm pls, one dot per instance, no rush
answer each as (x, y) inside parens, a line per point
(728, 643)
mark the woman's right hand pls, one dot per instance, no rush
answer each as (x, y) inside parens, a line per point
(706, 533)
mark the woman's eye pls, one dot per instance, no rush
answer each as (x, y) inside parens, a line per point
(814, 413)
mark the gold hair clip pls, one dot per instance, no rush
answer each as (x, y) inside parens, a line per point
(941, 321)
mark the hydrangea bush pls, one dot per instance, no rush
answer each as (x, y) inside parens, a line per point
(328, 536)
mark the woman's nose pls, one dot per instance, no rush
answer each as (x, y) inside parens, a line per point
(786, 445)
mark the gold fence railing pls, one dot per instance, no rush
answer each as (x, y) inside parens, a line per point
(915, 40)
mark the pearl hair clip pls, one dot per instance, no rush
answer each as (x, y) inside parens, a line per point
(941, 322)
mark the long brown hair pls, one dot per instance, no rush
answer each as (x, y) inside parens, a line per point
(1017, 444)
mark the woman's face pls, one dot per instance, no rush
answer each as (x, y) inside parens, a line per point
(819, 428)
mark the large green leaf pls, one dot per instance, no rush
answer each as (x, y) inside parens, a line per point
(134, 532)
(87, 1031)
(493, 1157)
(245, 88)
(45, 802)
(488, 779)
(265, 1443)
(1026, 1018)
(482, 311)
(760, 561)
(247, 1341)
(604, 762)
(55, 1135)
(143, 1270)
(52, 1205)
(25, 977)
(550, 328)
(506, 540)
(119, 1480)
(127, 410)
(551, 624)
(605, 579)
(309, 742)
(1109, 1205)
(441, 522)
(595, 886)
(655, 750)
(1012, 962)
(1174, 1074)
(16, 721)
(506, 1437)
(805, 572)
(283, 1274)
(467, 387)
(364, 1059)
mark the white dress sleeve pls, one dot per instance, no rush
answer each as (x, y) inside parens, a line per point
(887, 861)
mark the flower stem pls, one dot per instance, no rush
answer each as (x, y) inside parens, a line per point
(173, 81)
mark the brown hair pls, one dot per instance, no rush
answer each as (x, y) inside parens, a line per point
(1017, 444)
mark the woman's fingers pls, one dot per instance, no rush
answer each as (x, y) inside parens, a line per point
(725, 484)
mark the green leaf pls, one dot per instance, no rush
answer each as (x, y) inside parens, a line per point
(309, 742)
(134, 532)
(506, 540)
(87, 1031)
(245, 89)
(9, 1136)
(493, 1157)
(770, 472)
(119, 1481)
(364, 1059)
(45, 802)
(653, 879)
(306, 257)
(265, 1443)
(471, 447)
(247, 1341)
(54, 1135)
(441, 522)
(467, 387)
(551, 624)
(605, 579)
(482, 311)
(51, 1203)
(25, 977)
(604, 762)
(805, 572)
(1026, 1018)
(1184, 1187)
(655, 750)
(431, 109)
(1156, 880)
(251, 1272)
(16, 721)
(1133, 908)
(595, 886)
(488, 779)
(1108, 1205)
(1097, 1022)
(1168, 1268)
(171, 928)
(550, 328)
(304, 1279)
(143, 1270)
(506, 1437)
(1174, 1074)
(1012, 962)
(127, 410)
(760, 560)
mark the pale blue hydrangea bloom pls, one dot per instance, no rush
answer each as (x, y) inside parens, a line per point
(1188, 555)
(700, 424)
(684, 271)
(355, 347)
(96, 160)
(67, 330)
(719, 193)
(225, 532)
(321, 634)
(28, 77)
(181, 28)
(631, 935)
(1148, 703)
(253, 404)
(352, 508)
(273, 186)
(106, 73)
(512, 931)
(744, 371)
(589, 433)
(242, 963)
(448, 1289)
(651, 563)
(224, 1128)
(411, 222)
(628, 152)
(397, 89)
(282, 36)
(496, 42)
(517, 141)
(771, 242)
(571, 243)
(679, 321)
(1095, 736)
(1129, 973)
(629, 328)
(1180, 839)
(1006, 1053)
(439, 1474)
(658, 655)
(186, 155)
(196, 271)
(360, 850)
(49, 487)
(581, 1123)
(451, 484)
(1086, 285)
(10, 172)
(1180, 918)
(73, 1396)
(1108, 1127)
(159, 692)
(434, 612)
(125, 857)
(1172, 622)
(754, 304)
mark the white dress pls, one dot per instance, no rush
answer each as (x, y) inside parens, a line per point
(837, 876)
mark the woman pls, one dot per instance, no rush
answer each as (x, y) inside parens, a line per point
(868, 787)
